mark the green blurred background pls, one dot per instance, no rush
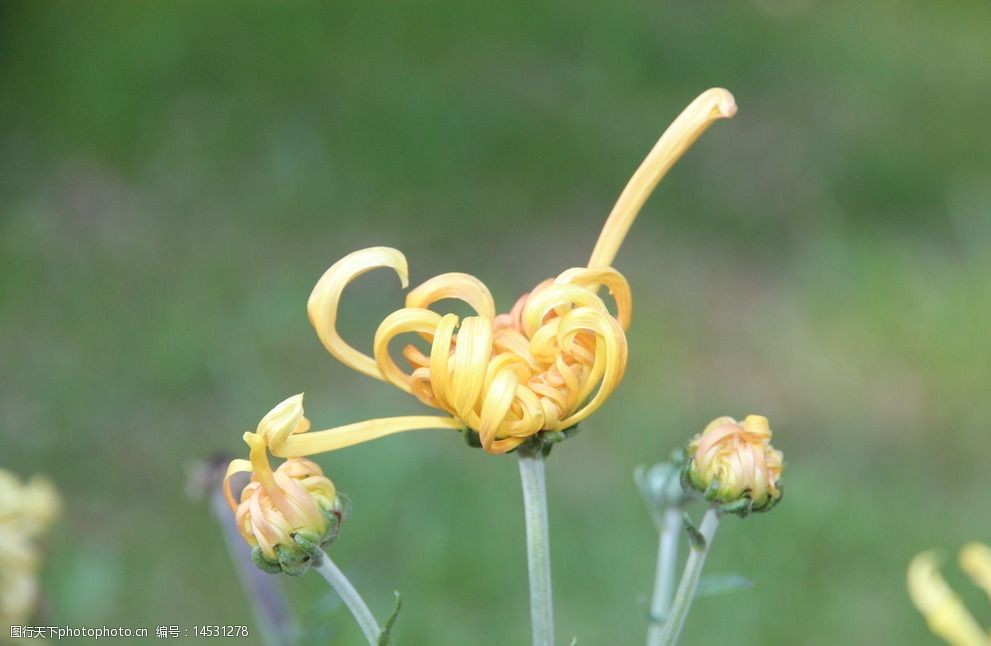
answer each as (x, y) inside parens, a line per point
(174, 177)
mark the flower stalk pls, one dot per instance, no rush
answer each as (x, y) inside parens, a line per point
(667, 557)
(690, 578)
(347, 592)
(538, 544)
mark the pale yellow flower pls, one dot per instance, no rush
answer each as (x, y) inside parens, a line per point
(545, 365)
(942, 608)
(26, 512)
(730, 462)
(289, 514)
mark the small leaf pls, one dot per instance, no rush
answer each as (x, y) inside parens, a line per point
(385, 639)
(694, 535)
(574, 641)
(721, 584)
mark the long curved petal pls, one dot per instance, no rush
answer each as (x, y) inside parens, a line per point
(326, 296)
(304, 444)
(709, 106)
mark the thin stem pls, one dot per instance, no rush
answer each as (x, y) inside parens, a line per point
(538, 545)
(690, 579)
(351, 599)
(667, 556)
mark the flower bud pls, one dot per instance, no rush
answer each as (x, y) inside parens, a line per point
(290, 514)
(734, 465)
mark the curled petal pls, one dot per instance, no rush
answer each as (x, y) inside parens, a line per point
(468, 365)
(283, 420)
(326, 296)
(708, 107)
(610, 356)
(498, 398)
(399, 322)
(464, 287)
(614, 281)
(559, 299)
(235, 467)
(440, 354)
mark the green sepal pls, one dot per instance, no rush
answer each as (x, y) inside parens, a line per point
(294, 561)
(544, 441)
(308, 543)
(741, 507)
(258, 558)
(385, 638)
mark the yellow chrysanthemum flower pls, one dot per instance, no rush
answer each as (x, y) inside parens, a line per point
(26, 512)
(942, 608)
(733, 463)
(546, 365)
(287, 515)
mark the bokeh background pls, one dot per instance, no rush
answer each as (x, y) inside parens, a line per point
(174, 177)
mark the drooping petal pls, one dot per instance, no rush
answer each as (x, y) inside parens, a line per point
(326, 296)
(709, 106)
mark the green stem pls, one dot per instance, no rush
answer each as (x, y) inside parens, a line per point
(354, 602)
(538, 546)
(690, 579)
(667, 556)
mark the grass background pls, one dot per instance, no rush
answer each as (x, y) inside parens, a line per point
(175, 177)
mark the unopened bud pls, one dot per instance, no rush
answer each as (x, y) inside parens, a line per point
(289, 515)
(734, 465)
